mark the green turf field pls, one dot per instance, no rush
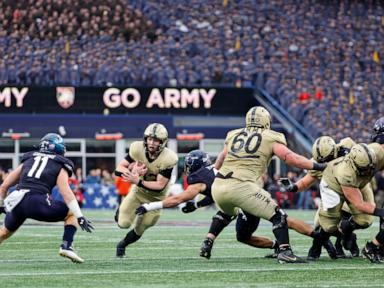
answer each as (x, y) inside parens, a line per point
(167, 256)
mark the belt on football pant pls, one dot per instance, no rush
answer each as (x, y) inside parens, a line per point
(221, 176)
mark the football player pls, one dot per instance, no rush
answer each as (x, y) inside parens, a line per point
(374, 249)
(200, 176)
(245, 157)
(325, 149)
(35, 177)
(342, 181)
(152, 186)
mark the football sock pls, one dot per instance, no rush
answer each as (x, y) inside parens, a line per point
(69, 233)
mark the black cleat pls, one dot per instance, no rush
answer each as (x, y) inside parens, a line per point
(371, 252)
(206, 248)
(120, 249)
(355, 251)
(331, 250)
(314, 252)
(286, 256)
(339, 249)
(273, 255)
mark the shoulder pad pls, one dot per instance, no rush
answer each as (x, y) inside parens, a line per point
(135, 148)
(67, 164)
(27, 155)
(276, 136)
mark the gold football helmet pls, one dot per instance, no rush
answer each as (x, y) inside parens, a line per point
(158, 131)
(324, 149)
(258, 117)
(363, 159)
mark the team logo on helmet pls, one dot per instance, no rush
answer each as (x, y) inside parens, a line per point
(195, 160)
(324, 149)
(52, 143)
(258, 117)
(363, 158)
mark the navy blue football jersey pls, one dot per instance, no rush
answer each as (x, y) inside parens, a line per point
(40, 171)
(204, 175)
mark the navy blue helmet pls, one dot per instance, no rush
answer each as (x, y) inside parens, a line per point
(378, 131)
(52, 143)
(195, 160)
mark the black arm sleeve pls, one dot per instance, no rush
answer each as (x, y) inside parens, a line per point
(128, 158)
(205, 202)
(167, 173)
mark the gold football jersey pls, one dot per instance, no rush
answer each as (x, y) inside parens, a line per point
(340, 172)
(167, 159)
(249, 152)
(379, 152)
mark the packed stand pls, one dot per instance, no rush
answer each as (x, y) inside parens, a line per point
(320, 59)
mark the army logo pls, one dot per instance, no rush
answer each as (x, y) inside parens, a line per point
(65, 96)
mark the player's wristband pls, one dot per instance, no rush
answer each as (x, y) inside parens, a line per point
(118, 173)
(319, 166)
(141, 184)
(378, 212)
(153, 205)
(75, 208)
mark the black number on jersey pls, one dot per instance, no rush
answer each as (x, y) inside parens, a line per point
(250, 143)
(38, 166)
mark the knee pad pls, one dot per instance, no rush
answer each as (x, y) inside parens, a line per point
(243, 235)
(226, 219)
(279, 220)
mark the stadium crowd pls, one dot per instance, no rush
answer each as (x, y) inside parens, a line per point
(319, 59)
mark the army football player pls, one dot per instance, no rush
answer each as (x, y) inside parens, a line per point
(200, 176)
(247, 154)
(35, 177)
(342, 181)
(159, 161)
(325, 149)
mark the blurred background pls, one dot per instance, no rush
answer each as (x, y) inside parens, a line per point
(98, 72)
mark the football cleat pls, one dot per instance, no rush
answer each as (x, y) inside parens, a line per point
(274, 254)
(70, 254)
(206, 248)
(315, 251)
(371, 252)
(339, 249)
(120, 249)
(331, 250)
(355, 251)
(286, 256)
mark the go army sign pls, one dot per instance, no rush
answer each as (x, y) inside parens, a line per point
(122, 100)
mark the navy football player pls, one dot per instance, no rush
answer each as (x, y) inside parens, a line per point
(35, 177)
(200, 176)
(152, 185)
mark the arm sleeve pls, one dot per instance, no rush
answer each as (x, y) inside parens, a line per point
(129, 158)
(205, 202)
(167, 173)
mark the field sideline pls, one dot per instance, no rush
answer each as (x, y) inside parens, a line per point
(167, 256)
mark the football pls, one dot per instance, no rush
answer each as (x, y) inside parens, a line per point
(138, 167)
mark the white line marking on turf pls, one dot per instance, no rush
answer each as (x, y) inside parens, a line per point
(295, 268)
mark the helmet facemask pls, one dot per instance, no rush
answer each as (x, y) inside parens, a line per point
(156, 131)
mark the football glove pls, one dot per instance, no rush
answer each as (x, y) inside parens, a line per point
(141, 210)
(86, 225)
(189, 207)
(288, 185)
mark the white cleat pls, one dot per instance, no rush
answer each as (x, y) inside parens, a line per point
(70, 254)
